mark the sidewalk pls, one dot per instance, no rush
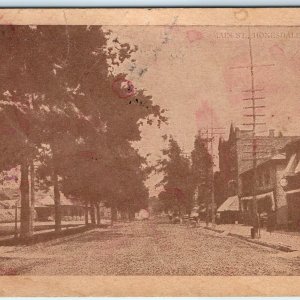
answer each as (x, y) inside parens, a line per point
(284, 241)
(42, 228)
(8, 229)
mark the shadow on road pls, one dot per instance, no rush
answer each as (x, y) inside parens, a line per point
(43, 237)
(92, 236)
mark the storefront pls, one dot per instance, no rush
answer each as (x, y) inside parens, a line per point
(293, 208)
(291, 185)
(228, 212)
(265, 206)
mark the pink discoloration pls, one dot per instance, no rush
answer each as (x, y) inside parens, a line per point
(237, 78)
(294, 62)
(204, 110)
(276, 51)
(204, 114)
(175, 191)
(8, 131)
(123, 88)
(237, 75)
(194, 35)
(88, 155)
(11, 178)
(9, 271)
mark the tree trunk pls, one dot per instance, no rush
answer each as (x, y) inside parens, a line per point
(112, 214)
(32, 192)
(57, 204)
(207, 211)
(92, 212)
(131, 213)
(128, 213)
(86, 213)
(98, 213)
(111, 217)
(26, 223)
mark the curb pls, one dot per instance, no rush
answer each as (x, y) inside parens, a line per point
(258, 242)
(253, 241)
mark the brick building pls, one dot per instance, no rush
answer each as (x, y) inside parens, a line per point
(235, 157)
(290, 182)
(270, 195)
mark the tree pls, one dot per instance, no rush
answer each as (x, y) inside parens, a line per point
(102, 147)
(176, 182)
(72, 115)
(201, 169)
(19, 131)
(38, 104)
(66, 121)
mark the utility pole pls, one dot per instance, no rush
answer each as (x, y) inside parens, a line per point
(210, 137)
(254, 123)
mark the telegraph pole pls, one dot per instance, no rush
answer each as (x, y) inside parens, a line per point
(254, 115)
(210, 136)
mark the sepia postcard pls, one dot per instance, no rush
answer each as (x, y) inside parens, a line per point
(150, 152)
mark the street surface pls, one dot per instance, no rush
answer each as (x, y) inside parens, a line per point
(152, 247)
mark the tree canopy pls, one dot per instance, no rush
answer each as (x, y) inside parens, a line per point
(185, 178)
(64, 112)
(176, 194)
(201, 170)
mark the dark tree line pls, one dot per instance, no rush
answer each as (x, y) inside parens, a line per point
(187, 181)
(66, 118)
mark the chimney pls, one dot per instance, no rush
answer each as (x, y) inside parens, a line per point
(271, 133)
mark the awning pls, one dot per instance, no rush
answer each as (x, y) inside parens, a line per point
(293, 191)
(230, 204)
(291, 166)
(260, 196)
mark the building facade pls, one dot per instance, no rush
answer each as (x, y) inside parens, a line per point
(235, 158)
(270, 195)
(290, 182)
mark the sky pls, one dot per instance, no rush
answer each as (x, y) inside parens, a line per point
(192, 72)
